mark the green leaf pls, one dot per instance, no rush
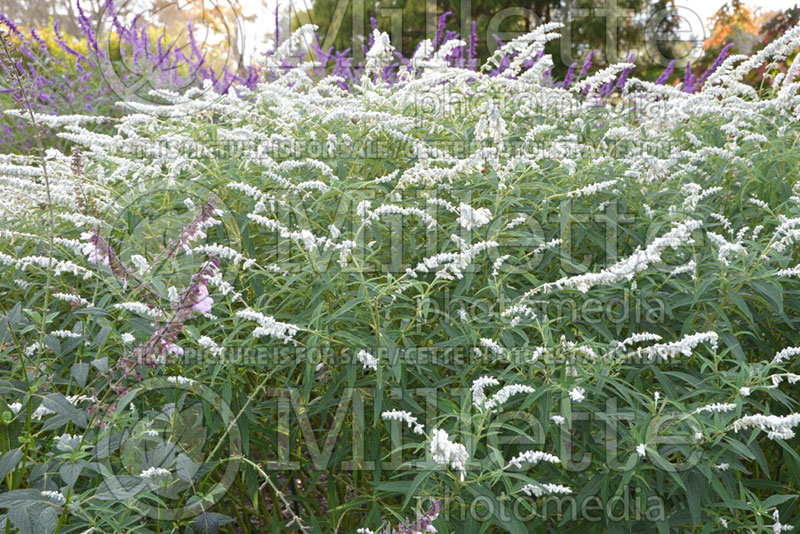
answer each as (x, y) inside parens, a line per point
(70, 472)
(80, 372)
(102, 336)
(775, 500)
(9, 462)
(186, 469)
(26, 520)
(20, 498)
(101, 364)
(59, 404)
(119, 488)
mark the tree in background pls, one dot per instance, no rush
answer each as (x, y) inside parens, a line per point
(740, 29)
(41, 13)
(219, 25)
(778, 24)
(735, 23)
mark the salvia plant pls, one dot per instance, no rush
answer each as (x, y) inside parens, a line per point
(113, 60)
(448, 301)
(110, 61)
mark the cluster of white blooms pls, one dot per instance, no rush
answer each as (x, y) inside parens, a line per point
(367, 360)
(470, 218)
(639, 337)
(777, 526)
(154, 472)
(792, 271)
(785, 354)
(517, 312)
(641, 450)
(404, 417)
(62, 334)
(717, 407)
(58, 267)
(221, 251)
(492, 345)
(695, 194)
(777, 426)
(306, 237)
(726, 224)
(74, 299)
(55, 496)
(452, 264)
(478, 386)
(786, 234)
(533, 457)
(379, 55)
(391, 209)
(777, 379)
(505, 393)
(75, 399)
(180, 380)
(498, 263)
(141, 263)
(690, 267)
(667, 351)
(592, 189)
(140, 308)
(726, 249)
(577, 394)
(626, 269)
(558, 419)
(516, 221)
(537, 353)
(210, 345)
(548, 245)
(445, 452)
(533, 490)
(269, 326)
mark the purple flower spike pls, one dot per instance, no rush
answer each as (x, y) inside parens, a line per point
(472, 51)
(64, 46)
(623, 76)
(587, 64)
(688, 79)
(440, 28)
(568, 79)
(5, 21)
(714, 66)
(667, 73)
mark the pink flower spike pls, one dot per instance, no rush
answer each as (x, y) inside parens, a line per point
(204, 302)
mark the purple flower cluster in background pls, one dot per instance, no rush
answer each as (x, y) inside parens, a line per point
(68, 81)
(343, 64)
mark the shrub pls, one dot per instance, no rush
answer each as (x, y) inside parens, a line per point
(477, 301)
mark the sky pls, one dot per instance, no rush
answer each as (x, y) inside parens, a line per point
(694, 12)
